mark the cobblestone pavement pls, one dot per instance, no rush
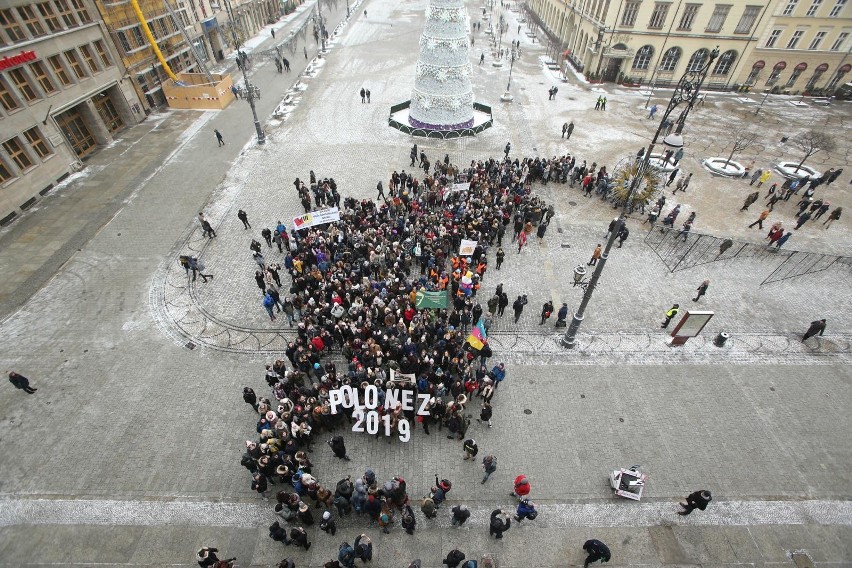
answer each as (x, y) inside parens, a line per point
(127, 426)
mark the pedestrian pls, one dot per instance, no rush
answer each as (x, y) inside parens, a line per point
(518, 306)
(612, 226)
(623, 234)
(597, 551)
(749, 200)
(702, 289)
(470, 448)
(763, 215)
(206, 557)
(562, 316)
(299, 537)
(409, 523)
(724, 246)
(598, 104)
(363, 95)
(697, 500)
(503, 304)
(268, 303)
(286, 63)
(546, 312)
(243, 216)
(564, 129)
(489, 466)
(21, 382)
(526, 510)
(832, 217)
(803, 218)
(499, 523)
(328, 525)
(672, 312)
(460, 515)
(207, 228)
(454, 558)
(338, 447)
(267, 236)
(653, 111)
(678, 156)
(780, 242)
(817, 326)
(521, 487)
(368, 96)
(428, 508)
(501, 254)
(380, 188)
(672, 177)
(764, 177)
(822, 210)
(595, 256)
(364, 548)
(260, 486)
(569, 131)
(755, 176)
(198, 267)
(685, 228)
(482, 58)
(522, 240)
(250, 397)
(507, 149)
(603, 103)
(219, 138)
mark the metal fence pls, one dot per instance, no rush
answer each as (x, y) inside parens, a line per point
(680, 251)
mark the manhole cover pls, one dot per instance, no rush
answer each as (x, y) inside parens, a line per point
(621, 419)
(582, 396)
(190, 345)
(527, 411)
(566, 246)
(572, 203)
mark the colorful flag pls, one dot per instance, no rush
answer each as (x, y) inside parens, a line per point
(478, 337)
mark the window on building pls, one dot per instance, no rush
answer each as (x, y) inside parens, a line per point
(837, 9)
(747, 20)
(37, 142)
(776, 73)
(717, 20)
(818, 37)
(10, 24)
(643, 58)
(74, 62)
(816, 76)
(815, 4)
(5, 174)
(124, 41)
(28, 16)
(628, 18)
(137, 36)
(791, 7)
(103, 53)
(725, 62)
(43, 78)
(49, 17)
(838, 43)
(794, 39)
(82, 11)
(837, 77)
(773, 38)
(658, 16)
(19, 78)
(89, 57)
(696, 62)
(688, 16)
(752, 76)
(65, 12)
(795, 76)
(7, 99)
(670, 59)
(59, 70)
(17, 153)
(161, 26)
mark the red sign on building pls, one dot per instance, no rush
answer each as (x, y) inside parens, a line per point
(19, 59)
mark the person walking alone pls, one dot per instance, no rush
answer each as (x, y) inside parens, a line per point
(595, 256)
(763, 215)
(243, 216)
(697, 500)
(702, 289)
(672, 312)
(219, 138)
(23, 383)
(518, 306)
(597, 551)
(816, 327)
(489, 465)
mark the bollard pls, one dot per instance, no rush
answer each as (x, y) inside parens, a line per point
(721, 339)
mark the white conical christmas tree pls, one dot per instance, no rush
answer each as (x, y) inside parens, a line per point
(443, 98)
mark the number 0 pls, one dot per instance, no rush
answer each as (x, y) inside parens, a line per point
(372, 422)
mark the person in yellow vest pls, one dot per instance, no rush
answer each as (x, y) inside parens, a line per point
(764, 177)
(673, 311)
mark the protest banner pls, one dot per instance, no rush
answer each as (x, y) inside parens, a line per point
(318, 217)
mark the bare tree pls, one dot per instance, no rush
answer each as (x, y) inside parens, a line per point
(811, 142)
(742, 140)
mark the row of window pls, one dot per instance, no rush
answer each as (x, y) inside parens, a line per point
(22, 152)
(39, 19)
(29, 83)
(779, 67)
(132, 38)
(750, 14)
(790, 8)
(816, 42)
(672, 56)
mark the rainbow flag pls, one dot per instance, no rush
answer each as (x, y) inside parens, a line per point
(478, 338)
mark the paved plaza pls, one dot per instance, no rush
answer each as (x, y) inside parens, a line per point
(128, 454)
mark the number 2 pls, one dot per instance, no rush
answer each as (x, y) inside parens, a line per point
(358, 415)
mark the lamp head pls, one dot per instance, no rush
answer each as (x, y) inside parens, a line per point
(674, 140)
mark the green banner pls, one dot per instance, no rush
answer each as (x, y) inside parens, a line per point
(431, 300)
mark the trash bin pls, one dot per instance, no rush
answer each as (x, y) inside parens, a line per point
(721, 339)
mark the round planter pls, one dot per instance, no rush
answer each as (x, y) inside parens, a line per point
(717, 166)
(788, 170)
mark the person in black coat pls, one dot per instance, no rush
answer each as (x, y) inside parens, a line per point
(250, 397)
(23, 383)
(816, 327)
(454, 558)
(697, 500)
(278, 533)
(299, 537)
(460, 515)
(499, 524)
(409, 523)
(338, 446)
(597, 551)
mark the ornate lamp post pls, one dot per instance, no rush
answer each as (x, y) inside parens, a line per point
(251, 90)
(685, 92)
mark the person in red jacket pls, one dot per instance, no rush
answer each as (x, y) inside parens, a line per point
(522, 487)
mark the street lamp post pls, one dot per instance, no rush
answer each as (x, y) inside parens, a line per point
(507, 96)
(250, 90)
(685, 92)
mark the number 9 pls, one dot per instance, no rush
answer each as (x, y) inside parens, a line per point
(404, 430)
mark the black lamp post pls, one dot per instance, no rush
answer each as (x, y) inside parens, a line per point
(250, 89)
(685, 92)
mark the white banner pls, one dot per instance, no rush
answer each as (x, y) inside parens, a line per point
(467, 247)
(455, 187)
(318, 217)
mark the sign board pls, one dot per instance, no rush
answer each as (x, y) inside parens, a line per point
(431, 300)
(691, 324)
(467, 247)
(366, 412)
(319, 217)
(15, 60)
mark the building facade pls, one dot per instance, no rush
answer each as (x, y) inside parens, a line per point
(655, 42)
(804, 48)
(62, 95)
